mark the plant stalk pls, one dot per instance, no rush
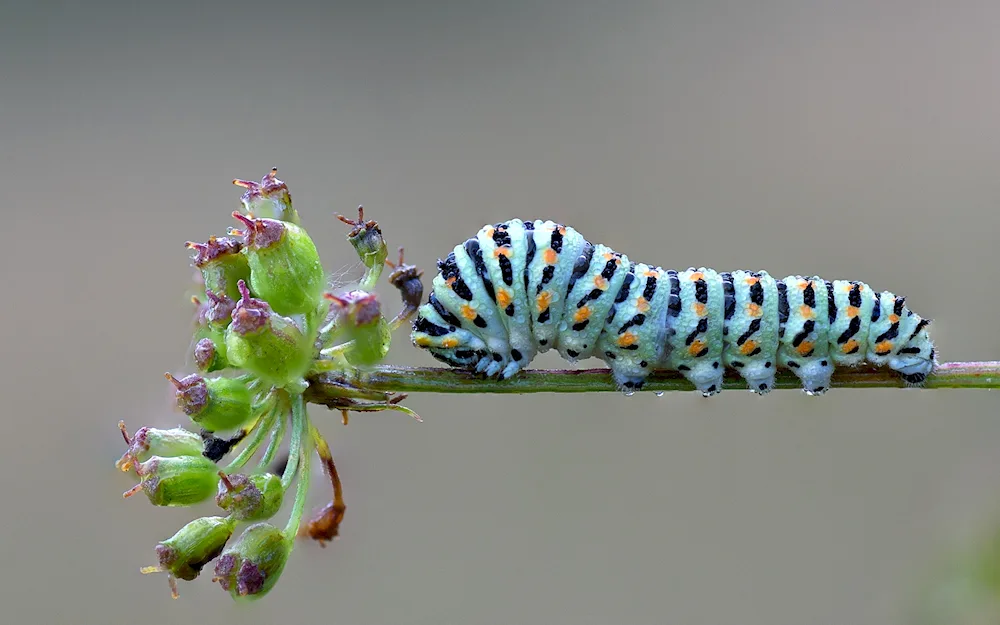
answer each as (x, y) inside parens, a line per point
(326, 388)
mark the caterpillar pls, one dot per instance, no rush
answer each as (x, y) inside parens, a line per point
(522, 287)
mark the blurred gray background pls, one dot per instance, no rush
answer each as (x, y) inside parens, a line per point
(849, 139)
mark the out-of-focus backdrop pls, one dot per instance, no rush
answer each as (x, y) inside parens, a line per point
(848, 139)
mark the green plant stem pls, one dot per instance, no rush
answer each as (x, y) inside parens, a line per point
(326, 388)
(300, 425)
(295, 446)
(260, 429)
(277, 435)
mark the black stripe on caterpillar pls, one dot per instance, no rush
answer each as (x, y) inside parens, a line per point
(519, 288)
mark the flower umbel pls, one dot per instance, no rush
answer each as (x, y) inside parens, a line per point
(262, 328)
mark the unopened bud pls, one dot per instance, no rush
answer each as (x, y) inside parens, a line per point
(358, 317)
(250, 498)
(218, 311)
(148, 442)
(176, 481)
(366, 237)
(268, 198)
(285, 269)
(213, 403)
(250, 567)
(210, 354)
(183, 555)
(221, 264)
(265, 343)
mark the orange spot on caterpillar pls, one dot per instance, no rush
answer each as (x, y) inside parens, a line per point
(582, 314)
(489, 232)
(502, 251)
(748, 347)
(628, 339)
(802, 285)
(550, 256)
(469, 312)
(422, 341)
(849, 346)
(806, 312)
(752, 280)
(450, 281)
(805, 347)
(700, 309)
(893, 318)
(883, 348)
(449, 342)
(608, 255)
(641, 304)
(696, 347)
(651, 273)
(754, 310)
(852, 312)
(543, 300)
(697, 276)
(503, 298)
(601, 283)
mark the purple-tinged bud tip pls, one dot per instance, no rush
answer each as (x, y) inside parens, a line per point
(250, 314)
(269, 197)
(205, 354)
(361, 307)
(212, 249)
(259, 233)
(192, 393)
(219, 311)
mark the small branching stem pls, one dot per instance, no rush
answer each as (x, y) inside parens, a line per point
(259, 429)
(302, 442)
(325, 388)
(295, 453)
(277, 436)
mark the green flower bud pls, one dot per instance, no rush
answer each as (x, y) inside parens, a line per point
(176, 481)
(210, 354)
(267, 344)
(221, 264)
(358, 317)
(219, 311)
(250, 498)
(210, 334)
(149, 442)
(366, 237)
(213, 403)
(183, 555)
(251, 566)
(284, 265)
(268, 198)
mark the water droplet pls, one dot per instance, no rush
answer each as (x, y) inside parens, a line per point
(658, 393)
(628, 392)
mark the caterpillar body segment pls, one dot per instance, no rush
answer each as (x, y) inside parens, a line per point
(751, 298)
(518, 288)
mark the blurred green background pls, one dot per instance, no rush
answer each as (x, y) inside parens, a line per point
(850, 139)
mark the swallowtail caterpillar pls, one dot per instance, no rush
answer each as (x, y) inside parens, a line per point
(519, 288)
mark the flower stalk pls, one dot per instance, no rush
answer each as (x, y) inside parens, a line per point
(327, 388)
